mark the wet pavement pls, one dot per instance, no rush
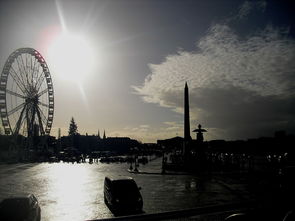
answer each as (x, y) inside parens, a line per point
(69, 191)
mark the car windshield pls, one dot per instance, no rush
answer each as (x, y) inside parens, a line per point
(189, 104)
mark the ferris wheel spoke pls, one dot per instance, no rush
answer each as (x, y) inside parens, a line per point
(39, 76)
(39, 82)
(29, 80)
(19, 121)
(41, 122)
(25, 70)
(18, 81)
(43, 92)
(37, 71)
(42, 116)
(23, 67)
(19, 68)
(33, 68)
(44, 105)
(15, 94)
(15, 109)
(16, 75)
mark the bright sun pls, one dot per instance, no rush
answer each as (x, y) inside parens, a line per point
(71, 57)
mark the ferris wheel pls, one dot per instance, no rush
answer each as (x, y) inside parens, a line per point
(26, 94)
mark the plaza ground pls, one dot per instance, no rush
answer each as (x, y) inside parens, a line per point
(69, 191)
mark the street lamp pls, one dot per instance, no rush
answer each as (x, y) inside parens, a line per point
(163, 159)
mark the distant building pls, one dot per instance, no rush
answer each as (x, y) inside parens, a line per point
(175, 143)
(87, 144)
(119, 144)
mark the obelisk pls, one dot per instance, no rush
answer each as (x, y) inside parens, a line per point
(187, 135)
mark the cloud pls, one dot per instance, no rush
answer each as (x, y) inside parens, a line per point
(144, 126)
(247, 7)
(240, 86)
(174, 126)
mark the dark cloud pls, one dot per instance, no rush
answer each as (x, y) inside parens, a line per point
(243, 113)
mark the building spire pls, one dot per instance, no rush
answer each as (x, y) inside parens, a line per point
(98, 134)
(104, 134)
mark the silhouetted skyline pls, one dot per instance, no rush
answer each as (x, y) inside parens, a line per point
(121, 65)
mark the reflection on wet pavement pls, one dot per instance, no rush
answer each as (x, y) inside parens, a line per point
(75, 191)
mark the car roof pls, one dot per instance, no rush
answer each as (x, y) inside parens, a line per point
(20, 196)
(119, 178)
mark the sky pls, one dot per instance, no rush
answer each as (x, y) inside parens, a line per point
(121, 66)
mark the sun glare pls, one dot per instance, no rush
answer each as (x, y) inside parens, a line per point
(71, 57)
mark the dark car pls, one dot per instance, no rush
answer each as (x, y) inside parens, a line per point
(122, 195)
(20, 208)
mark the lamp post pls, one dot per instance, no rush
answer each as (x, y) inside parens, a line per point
(163, 160)
(131, 158)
